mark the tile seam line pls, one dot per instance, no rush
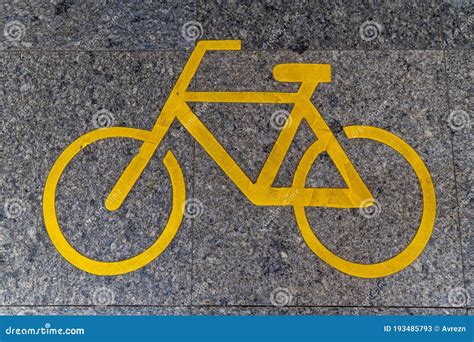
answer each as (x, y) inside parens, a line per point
(193, 187)
(242, 50)
(451, 137)
(240, 306)
(453, 160)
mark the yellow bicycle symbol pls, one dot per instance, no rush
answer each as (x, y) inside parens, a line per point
(261, 192)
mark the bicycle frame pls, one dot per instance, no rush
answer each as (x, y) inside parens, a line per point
(261, 192)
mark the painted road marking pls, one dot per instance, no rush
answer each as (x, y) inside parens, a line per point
(261, 192)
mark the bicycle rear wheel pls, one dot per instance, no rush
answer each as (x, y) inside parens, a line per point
(423, 234)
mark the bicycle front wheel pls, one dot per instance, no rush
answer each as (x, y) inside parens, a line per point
(425, 228)
(114, 267)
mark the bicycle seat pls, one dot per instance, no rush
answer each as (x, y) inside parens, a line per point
(293, 72)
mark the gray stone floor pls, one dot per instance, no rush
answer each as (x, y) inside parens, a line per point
(403, 67)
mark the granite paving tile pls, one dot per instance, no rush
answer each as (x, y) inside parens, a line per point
(458, 23)
(49, 99)
(460, 65)
(324, 24)
(321, 311)
(94, 310)
(237, 243)
(71, 24)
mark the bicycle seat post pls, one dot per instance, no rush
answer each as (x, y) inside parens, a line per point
(195, 60)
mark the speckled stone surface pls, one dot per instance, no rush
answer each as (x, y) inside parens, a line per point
(272, 310)
(49, 100)
(458, 22)
(71, 24)
(397, 65)
(460, 65)
(324, 24)
(95, 310)
(220, 310)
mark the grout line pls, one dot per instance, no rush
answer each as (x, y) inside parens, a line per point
(188, 48)
(451, 135)
(242, 306)
(453, 159)
(442, 32)
(193, 187)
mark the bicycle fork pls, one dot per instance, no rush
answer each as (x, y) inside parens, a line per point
(137, 165)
